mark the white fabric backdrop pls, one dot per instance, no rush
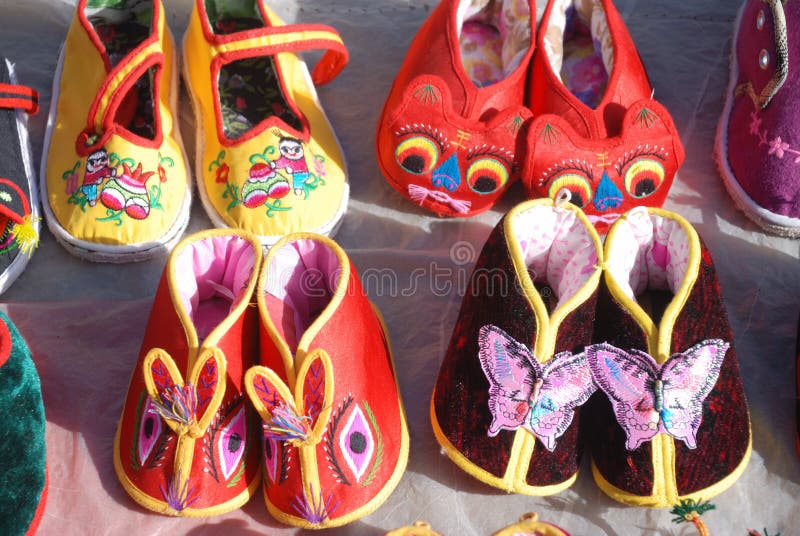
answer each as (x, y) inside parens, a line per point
(84, 322)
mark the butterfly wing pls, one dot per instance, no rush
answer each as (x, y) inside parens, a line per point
(688, 378)
(511, 371)
(566, 384)
(627, 379)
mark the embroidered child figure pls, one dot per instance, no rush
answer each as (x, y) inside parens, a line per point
(293, 162)
(523, 392)
(649, 398)
(97, 170)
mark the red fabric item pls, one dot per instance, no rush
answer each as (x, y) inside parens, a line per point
(207, 484)
(22, 97)
(456, 124)
(363, 384)
(626, 119)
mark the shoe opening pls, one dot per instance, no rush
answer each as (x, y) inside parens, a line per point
(558, 249)
(649, 258)
(230, 16)
(213, 275)
(577, 42)
(121, 26)
(494, 36)
(302, 277)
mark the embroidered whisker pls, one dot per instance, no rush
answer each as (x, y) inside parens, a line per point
(179, 496)
(315, 509)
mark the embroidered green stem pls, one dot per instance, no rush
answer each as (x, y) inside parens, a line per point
(263, 156)
(165, 160)
(378, 449)
(116, 160)
(218, 162)
(78, 199)
(689, 511)
(275, 206)
(113, 216)
(67, 174)
(232, 192)
(155, 197)
(549, 134)
(135, 444)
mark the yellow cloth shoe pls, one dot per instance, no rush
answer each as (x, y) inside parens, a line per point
(114, 177)
(267, 158)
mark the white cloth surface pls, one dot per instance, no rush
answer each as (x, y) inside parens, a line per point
(84, 322)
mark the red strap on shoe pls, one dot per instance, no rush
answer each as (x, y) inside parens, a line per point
(19, 97)
(292, 38)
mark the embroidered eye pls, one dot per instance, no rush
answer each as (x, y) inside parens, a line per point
(357, 443)
(578, 188)
(418, 154)
(150, 428)
(644, 177)
(271, 457)
(230, 444)
(487, 175)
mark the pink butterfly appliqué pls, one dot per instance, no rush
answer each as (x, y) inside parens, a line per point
(523, 392)
(649, 398)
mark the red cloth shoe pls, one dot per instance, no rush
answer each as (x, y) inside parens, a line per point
(599, 139)
(671, 422)
(335, 441)
(187, 444)
(504, 405)
(448, 137)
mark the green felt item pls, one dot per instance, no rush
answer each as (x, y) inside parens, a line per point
(22, 446)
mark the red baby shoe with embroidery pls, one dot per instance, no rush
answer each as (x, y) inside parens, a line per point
(599, 139)
(335, 441)
(449, 134)
(758, 143)
(504, 408)
(187, 444)
(670, 421)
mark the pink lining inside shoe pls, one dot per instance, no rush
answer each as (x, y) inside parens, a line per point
(557, 248)
(301, 279)
(648, 252)
(213, 275)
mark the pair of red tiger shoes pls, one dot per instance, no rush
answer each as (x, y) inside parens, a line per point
(251, 368)
(474, 108)
(628, 343)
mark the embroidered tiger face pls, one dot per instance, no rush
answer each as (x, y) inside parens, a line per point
(443, 162)
(607, 177)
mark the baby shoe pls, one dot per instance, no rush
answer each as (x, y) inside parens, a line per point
(758, 143)
(114, 179)
(186, 444)
(671, 422)
(267, 158)
(19, 203)
(529, 525)
(449, 134)
(23, 473)
(504, 407)
(599, 139)
(335, 441)
(419, 528)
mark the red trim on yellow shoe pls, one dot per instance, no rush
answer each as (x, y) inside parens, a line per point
(19, 97)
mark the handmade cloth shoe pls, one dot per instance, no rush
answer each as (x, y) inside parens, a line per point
(23, 474)
(505, 403)
(335, 439)
(449, 134)
(599, 139)
(187, 444)
(19, 202)
(267, 158)
(529, 524)
(758, 143)
(114, 178)
(670, 421)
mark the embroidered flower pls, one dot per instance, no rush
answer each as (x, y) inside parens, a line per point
(72, 183)
(222, 173)
(777, 147)
(755, 123)
(319, 167)
(162, 174)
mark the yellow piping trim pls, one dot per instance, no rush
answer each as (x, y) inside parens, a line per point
(289, 362)
(113, 86)
(659, 345)
(485, 476)
(147, 501)
(654, 502)
(275, 40)
(374, 503)
(530, 524)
